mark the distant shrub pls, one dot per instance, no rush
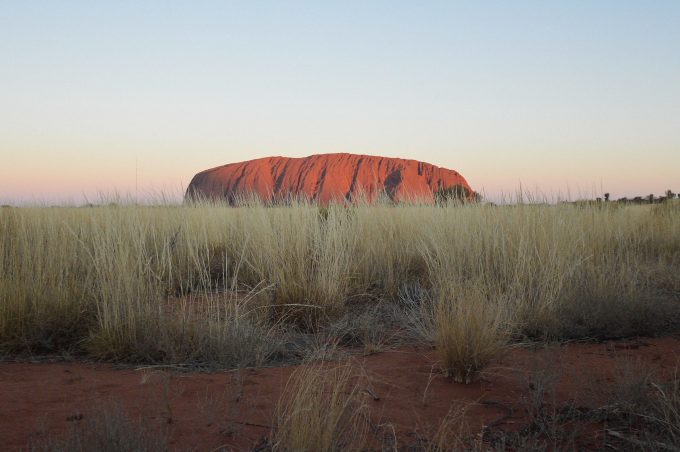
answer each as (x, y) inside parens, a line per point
(455, 193)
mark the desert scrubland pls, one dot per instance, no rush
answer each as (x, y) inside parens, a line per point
(208, 287)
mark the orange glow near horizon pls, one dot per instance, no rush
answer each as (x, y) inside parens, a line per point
(53, 183)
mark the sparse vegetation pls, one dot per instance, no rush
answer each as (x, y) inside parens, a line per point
(106, 429)
(452, 433)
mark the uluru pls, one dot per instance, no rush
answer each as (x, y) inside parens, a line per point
(325, 178)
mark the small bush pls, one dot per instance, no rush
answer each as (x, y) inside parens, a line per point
(454, 193)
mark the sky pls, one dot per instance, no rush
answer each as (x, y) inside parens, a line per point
(571, 98)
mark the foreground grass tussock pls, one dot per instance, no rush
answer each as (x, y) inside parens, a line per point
(470, 331)
(320, 410)
(228, 285)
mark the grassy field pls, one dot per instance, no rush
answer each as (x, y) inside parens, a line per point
(206, 286)
(216, 285)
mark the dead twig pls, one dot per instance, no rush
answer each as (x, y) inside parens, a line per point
(372, 394)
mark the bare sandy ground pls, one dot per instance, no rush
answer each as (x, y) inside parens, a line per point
(406, 395)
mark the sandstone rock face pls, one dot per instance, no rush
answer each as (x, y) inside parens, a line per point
(324, 178)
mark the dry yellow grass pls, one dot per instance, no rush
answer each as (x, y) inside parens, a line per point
(470, 331)
(167, 283)
(319, 410)
(453, 433)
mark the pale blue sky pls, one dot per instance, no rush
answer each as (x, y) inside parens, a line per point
(579, 95)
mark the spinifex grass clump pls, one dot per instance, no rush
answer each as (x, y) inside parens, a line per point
(470, 331)
(319, 410)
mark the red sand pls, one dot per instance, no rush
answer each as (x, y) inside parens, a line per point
(199, 408)
(325, 177)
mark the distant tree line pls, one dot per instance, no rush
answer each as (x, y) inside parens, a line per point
(648, 199)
